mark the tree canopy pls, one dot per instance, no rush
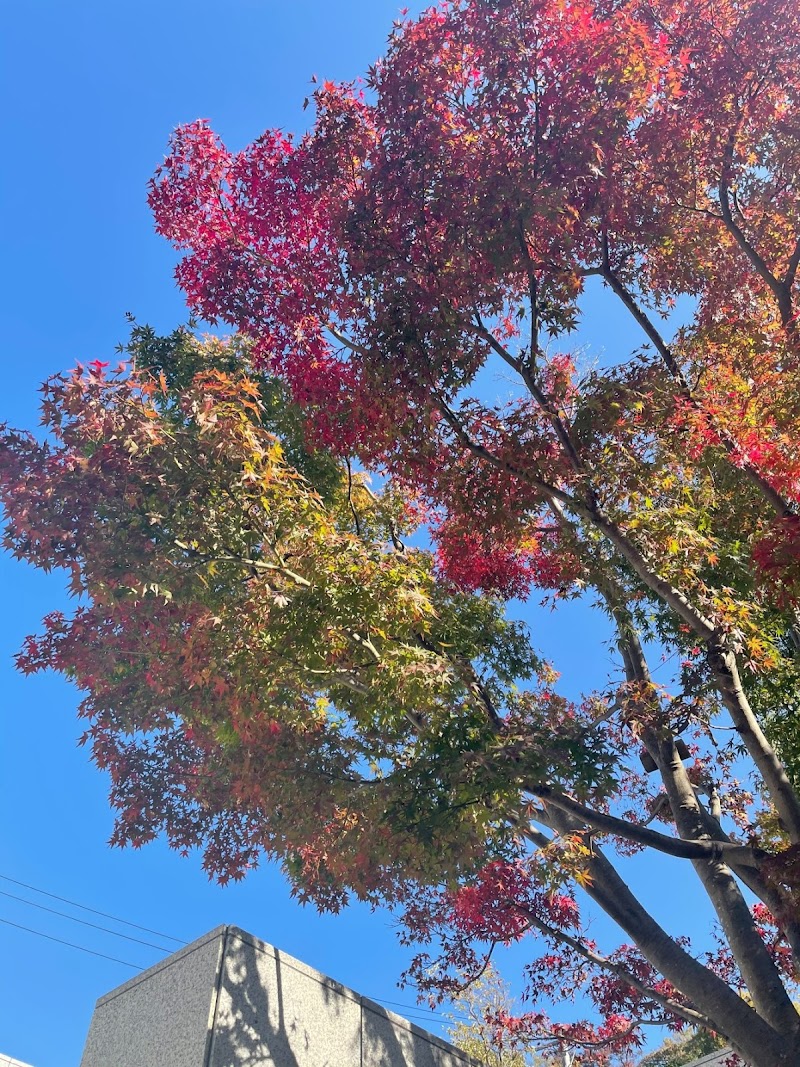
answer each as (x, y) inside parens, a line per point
(274, 660)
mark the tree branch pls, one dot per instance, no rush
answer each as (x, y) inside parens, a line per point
(782, 909)
(591, 513)
(781, 791)
(791, 270)
(779, 289)
(542, 401)
(757, 967)
(710, 994)
(642, 835)
(781, 505)
(696, 1018)
(353, 346)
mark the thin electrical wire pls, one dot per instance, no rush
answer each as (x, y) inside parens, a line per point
(94, 911)
(455, 1015)
(418, 1020)
(83, 922)
(410, 1012)
(407, 1008)
(70, 944)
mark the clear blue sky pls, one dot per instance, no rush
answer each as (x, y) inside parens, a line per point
(91, 90)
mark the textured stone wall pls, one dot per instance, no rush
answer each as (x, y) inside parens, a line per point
(230, 1000)
(712, 1059)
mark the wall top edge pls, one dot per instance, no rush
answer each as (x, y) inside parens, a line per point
(216, 934)
(225, 934)
(366, 1002)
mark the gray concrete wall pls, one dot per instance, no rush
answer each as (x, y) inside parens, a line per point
(160, 1017)
(713, 1059)
(230, 1000)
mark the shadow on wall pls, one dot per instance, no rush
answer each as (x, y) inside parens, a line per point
(230, 1000)
(388, 1042)
(273, 1012)
(269, 1013)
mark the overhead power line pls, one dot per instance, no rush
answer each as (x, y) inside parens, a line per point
(94, 911)
(83, 922)
(412, 1011)
(409, 1010)
(411, 1007)
(70, 944)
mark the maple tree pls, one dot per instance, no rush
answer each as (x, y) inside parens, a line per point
(271, 666)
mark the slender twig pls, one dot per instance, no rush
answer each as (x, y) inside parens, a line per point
(692, 1016)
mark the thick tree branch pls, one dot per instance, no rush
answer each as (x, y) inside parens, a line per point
(642, 835)
(730, 689)
(781, 791)
(758, 969)
(709, 995)
(779, 904)
(779, 290)
(744, 863)
(683, 1011)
